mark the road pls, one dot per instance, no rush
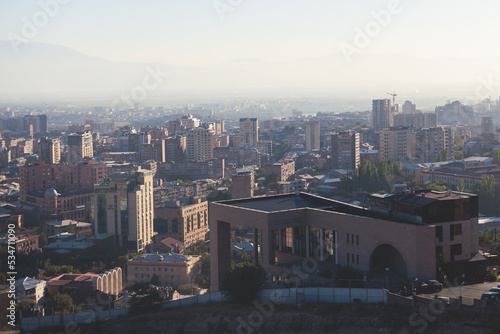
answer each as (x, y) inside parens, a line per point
(468, 292)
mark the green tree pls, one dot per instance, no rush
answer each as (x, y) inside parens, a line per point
(461, 186)
(189, 289)
(459, 155)
(144, 297)
(435, 186)
(204, 280)
(61, 302)
(42, 239)
(155, 280)
(458, 142)
(496, 156)
(243, 282)
(442, 155)
(486, 190)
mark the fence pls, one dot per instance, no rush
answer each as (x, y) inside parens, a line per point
(286, 296)
(33, 323)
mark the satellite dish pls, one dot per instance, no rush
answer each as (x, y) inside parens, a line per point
(297, 193)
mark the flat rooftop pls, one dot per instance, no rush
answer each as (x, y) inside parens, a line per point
(282, 202)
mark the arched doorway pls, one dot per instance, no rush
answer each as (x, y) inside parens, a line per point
(388, 260)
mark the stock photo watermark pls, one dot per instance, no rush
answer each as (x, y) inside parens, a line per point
(151, 81)
(223, 7)
(31, 27)
(364, 36)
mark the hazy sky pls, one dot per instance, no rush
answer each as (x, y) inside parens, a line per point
(192, 33)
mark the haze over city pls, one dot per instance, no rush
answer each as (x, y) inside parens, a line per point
(90, 50)
(231, 166)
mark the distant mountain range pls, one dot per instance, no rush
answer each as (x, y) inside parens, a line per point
(53, 71)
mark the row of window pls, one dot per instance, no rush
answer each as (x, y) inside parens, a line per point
(350, 259)
(351, 239)
(455, 229)
(159, 276)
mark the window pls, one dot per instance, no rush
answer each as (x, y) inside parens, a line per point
(347, 257)
(439, 251)
(439, 233)
(357, 259)
(455, 250)
(347, 238)
(357, 240)
(455, 229)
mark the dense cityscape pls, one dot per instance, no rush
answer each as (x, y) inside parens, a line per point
(226, 166)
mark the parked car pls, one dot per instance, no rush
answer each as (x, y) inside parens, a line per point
(490, 297)
(428, 286)
(495, 291)
(437, 286)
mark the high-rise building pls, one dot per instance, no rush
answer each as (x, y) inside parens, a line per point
(200, 144)
(431, 141)
(80, 146)
(382, 116)
(487, 126)
(409, 108)
(242, 184)
(175, 149)
(50, 150)
(249, 132)
(345, 150)
(154, 151)
(123, 206)
(312, 136)
(136, 140)
(395, 143)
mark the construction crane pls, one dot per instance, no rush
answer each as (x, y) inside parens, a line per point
(393, 98)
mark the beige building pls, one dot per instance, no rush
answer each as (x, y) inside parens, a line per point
(187, 223)
(401, 233)
(171, 269)
(242, 184)
(282, 169)
(382, 116)
(312, 136)
(200, 144)
(80, 146)
(487, 126)
(429, 142)
(395, 144)
(346, 150)
(249, 132)
(50, 150)
(123, 206)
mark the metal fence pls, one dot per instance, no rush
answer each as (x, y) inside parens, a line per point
(285, 296)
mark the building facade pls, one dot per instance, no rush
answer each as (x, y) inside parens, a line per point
(312, 136)
(249, 132)
(242, 184)
(346, 150)
(123, 207)
(284, 170)
(431, 141)
(172, 270)
(186, 223)
(80, 146)
(200, 144)
(395, 144)
(382, 116)
(398, 233)
(50, 150)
